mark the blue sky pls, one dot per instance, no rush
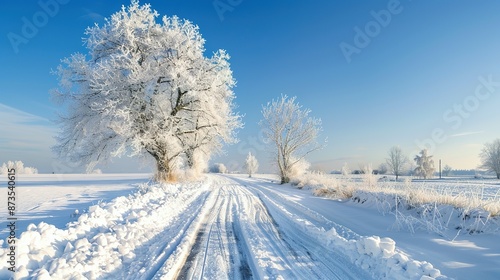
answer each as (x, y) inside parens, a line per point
(414, 70)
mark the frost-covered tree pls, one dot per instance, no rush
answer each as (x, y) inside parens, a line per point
(4, 169)
(218, 168)
(251, 164)
(425, 165)
(447, 170)
(145, 88)
(346, 171)
(300, 168)
(490, 157)
(396, 161)
(368, 177)
(18, 166)
(291, 131)
(382, 169)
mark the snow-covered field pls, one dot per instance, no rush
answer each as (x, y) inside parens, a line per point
(223, 227)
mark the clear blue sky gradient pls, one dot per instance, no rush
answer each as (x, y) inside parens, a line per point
(408, 78)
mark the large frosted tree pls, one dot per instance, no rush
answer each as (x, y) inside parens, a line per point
(145, 87)
(291, 132)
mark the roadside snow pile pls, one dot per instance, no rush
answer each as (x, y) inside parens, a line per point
(103, 240)
(378, 256)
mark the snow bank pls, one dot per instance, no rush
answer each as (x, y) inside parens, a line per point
(101, 241)
(378, 256)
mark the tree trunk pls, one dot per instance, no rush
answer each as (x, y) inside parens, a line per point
(284, 170)
(190, 157)
(164, 173)
(164, 170)
(285, 179)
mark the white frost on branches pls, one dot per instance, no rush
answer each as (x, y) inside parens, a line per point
(218, 168)
(292, 133)
(425, 165)
(146, 88)
(18, 166)
(490, 157)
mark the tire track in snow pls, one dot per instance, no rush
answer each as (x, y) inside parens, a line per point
(315, 251)
(307, 251)
(217, 252)
(287, 205)
(244, 236)
(283, 257)
(161, 249)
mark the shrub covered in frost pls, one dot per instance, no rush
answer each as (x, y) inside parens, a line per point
(18, 166)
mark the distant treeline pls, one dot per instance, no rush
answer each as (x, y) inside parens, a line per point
(454, 172)
(464, 172)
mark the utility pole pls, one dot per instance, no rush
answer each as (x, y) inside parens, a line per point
(439, 169)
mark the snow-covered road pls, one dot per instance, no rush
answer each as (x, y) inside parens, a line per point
(240, 238)
(226, 227)
(239, 235)
(247, 230)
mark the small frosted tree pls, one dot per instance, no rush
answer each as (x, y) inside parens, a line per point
(145, 88)
(346, 171)
(18, 166)
(368, 177)
(490, 157)
(447, 170)
(291, 132)
(218, 168)
(251, 164)
(222, 168)
(382, 169)
(396, 161)
(425, 165)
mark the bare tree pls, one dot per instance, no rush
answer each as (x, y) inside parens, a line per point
(447, 170)
(425, 165)
(382, 169)
(490, 157)
(396, 162)
(146, 88)
(291, 131)
(251, 164)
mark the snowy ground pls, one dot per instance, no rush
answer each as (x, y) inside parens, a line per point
(226, 227)
(54, 198)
